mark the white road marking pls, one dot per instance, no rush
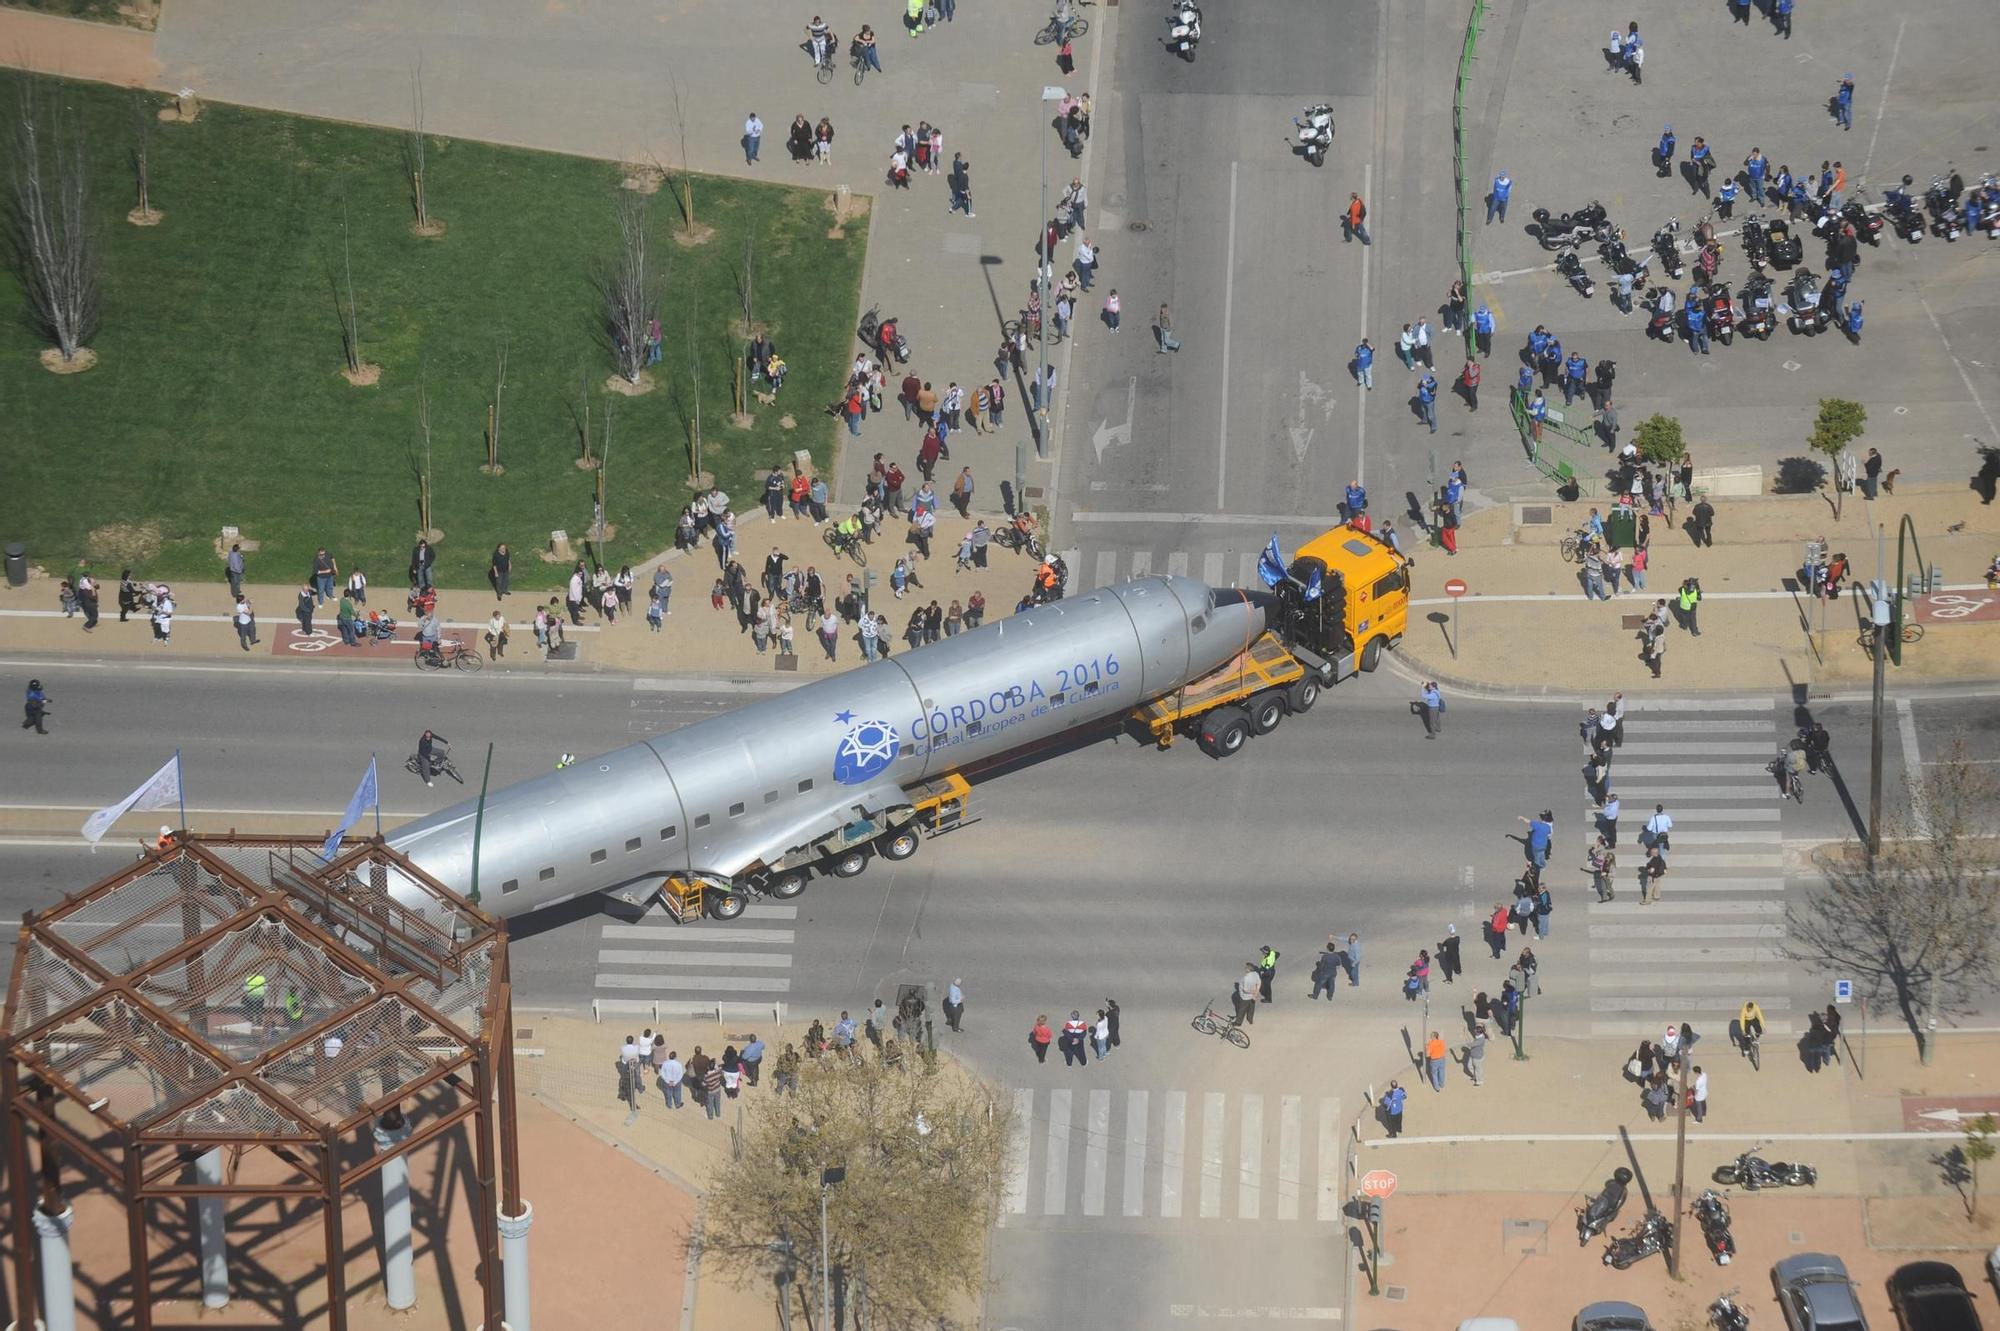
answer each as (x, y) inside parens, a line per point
(1055, 1175)
(1288, 1157)
(1626, 771)
(702, 983)
(1135, 1153)
(1285, 520)
(1177, 564)
(1016, 1199)
(614, 957)
(1329, 1159)
(1361, 398)
(681, 933)
(1250, 1158)
(1716, 748)
(1735, 981)
(1142, 563)
(1096, 1152)
(1977, 401)
(1173, 1153)
(1663, 956)
(1211, 568)
(1261, 1312)
(1683, 1003)
(1702, 727)
(1228, 312)
(1771, 932)
(1700, 705)
(1883, 110)
(1107, 568)
(1213, 1105)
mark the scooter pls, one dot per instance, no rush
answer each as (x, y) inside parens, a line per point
(1572, 268)
(1578, 228)
(1725, 1315)
(1316, 132)
(883, 337)
(1721, 314)
(1807, 314)
(1713, 1213)
(1666, 244)
(1652, 1235)
(1596, 1215)
(1751, 1172)
(1184, 30)
(1660, 325)
(1756, 300)
(1754, 242)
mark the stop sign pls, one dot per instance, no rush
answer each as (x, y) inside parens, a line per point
(1378, 1183)
(1455, 587)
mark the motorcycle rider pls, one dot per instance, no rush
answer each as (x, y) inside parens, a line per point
(428, 754)
(1184, 30)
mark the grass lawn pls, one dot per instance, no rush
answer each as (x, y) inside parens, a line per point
(218, 397)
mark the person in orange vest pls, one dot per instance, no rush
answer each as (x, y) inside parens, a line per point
(1353, 222)
(165, 840)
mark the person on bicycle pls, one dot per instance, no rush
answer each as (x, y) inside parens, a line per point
(818, 39)
(1750, 1022)
(864, 48)
(1796, 762)
(849, 528)
(429, 755)
(1819, 745)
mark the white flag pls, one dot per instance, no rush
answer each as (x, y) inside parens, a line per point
(365, 798)
(162, 790)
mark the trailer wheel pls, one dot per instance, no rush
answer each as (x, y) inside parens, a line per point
(788, 884)
(726, 905)
(1302, 695)
(1371, 655)
(849, 864)
(1267, 712)
(1224, 731)
(900, 844)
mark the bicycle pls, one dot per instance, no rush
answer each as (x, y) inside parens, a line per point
(1032, 327)
(1062, 26)
(1211, 1022)
(441, 765)
(1576, 546)
(841, 543)
(449, 654)
(1010, 537)
(1912, 632)
(823, 64)
(1790, 782)
(860, 63)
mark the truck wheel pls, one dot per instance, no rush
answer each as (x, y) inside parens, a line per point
(1371, 655)
(900, 844)
(850, 863)
(1267, 712)
(1224, 732)
(788, 884)
(1302, 695)
(726, 905)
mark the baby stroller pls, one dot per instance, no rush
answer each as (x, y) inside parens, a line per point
(379, 627)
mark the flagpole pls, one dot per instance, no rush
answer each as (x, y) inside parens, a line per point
(378, 794)
(479, 820)
(180, 785)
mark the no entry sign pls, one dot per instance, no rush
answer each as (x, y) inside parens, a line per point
(1455, 587)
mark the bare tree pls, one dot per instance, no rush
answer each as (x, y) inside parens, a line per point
(413, 151)
(420, 458)
(599, 531)
(587, 459)
(350, 319)
(493, 409)
(694, 379)
(629, 287)
(924, 1154)
(746, 289)
(686, 194)
(55, 250)
(1919, 922)
(143, 119)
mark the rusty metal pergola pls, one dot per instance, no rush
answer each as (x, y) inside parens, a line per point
(237, 994)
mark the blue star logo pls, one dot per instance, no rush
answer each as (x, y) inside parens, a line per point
(843, 717)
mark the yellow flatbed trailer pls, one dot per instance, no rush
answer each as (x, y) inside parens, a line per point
(1265, 677)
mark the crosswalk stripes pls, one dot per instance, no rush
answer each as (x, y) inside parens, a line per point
(1231, 566)
(1716, 935)
(1124, 1154)
(700, 963)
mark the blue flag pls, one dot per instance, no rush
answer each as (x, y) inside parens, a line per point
(1271, 564)
(1315, 587)
(366, 796)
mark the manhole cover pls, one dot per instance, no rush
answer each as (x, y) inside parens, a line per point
(1138, 226)
(1632, 621)
(1396, 1293)
(1538, 515)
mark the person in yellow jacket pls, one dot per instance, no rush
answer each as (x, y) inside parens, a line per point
(915, 22)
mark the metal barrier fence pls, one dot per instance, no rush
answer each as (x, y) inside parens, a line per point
(1545, 446)
(1473, 23)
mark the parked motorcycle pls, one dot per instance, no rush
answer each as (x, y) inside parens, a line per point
(1757, 320)
(1617, 259)
(1316, 132)
(1572, 268)
(1596, 1215)
(1782, 248)
(1725, 1315)
(1721, 314)
(1868, 226)
(1904, 216)
(1713, 1213)
(1809, 314)
(1751, 1172)
(1709, 260)
(1581, 227)
(1666, 244)
(1184, 29)
(1661, 325)
(1754, 242)
(883, 336)
(1652, 1235)
(1941, 199)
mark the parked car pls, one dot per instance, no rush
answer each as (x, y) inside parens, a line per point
(1931, 1296)
(1816, 1294)
(1613, 1316)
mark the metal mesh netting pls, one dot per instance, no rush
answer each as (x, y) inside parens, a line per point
(234, 1111)
(148, 916)
(375, 1053)
(301, 984)
(463, 1001)
(50, 982)
(124, 1062)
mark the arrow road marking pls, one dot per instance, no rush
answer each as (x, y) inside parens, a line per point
(1108, 434)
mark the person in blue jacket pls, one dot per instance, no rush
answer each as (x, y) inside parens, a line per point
(1357, 499)
(1702, 158)
(1577, 369)
(1538, 342)
(1526, 383)
(1364, 364)
(1852, 322)
(1482, 328)
(1697, 322)
(1781, 18)
(1725, 199)
(1781, 185)
(1843, 102)
(1663, 156)
(1427, 395)
(1496, 202)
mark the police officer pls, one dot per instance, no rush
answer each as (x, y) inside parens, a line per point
(1702, 158)
(1267, 971)
(36, 709)
(1482, 327)
(253, 995)
(1725, 199)
(1663, 155)
(1503, 186)
(1576, 369)
(1853, 323)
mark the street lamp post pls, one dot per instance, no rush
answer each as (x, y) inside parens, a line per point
(1879, 612)
(828, 1178)
(1051, 92)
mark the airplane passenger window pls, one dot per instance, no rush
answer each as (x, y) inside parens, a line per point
(700, 821)
(634, 843)
(668, 832)
(805, 785)
(770, 797)
(547, 874)
(511, 885)
(597, 856)
(736, 809)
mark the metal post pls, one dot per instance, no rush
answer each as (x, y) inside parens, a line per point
(1454, 626)
(58, 1275)
(135, 1239)
(210, 1225)
(1881, 614)
(20, 1196)
(1680, 1169)
(515, 1214)
(1521, 1024)
(488, 1202)
(1861, 1062)
(514, 1266)
(336, 1238)
(825, 1276)
(399, 1280)
(479, 821)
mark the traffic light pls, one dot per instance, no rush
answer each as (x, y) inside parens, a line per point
(1375, 1214)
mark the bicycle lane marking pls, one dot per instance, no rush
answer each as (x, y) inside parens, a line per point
(290, 643)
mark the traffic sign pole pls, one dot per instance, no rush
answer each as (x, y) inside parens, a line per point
(1455, 588)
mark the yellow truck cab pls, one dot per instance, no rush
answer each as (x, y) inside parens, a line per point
(1364, 603)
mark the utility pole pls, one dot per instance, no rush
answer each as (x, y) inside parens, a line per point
(1039, 410)
(1680, 1169)
(1879, 612)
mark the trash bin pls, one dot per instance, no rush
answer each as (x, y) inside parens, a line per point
(1621, 528)
(17, 564)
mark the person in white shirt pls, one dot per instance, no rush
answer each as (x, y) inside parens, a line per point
(1700, 1094)
(1247, 990)
(1658, 826)
(1100, 1035)
(246, 623)
(671, 1075)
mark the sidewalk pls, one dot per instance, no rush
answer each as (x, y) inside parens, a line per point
(1482, 1222)
(694, 638)
(1526, 626)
